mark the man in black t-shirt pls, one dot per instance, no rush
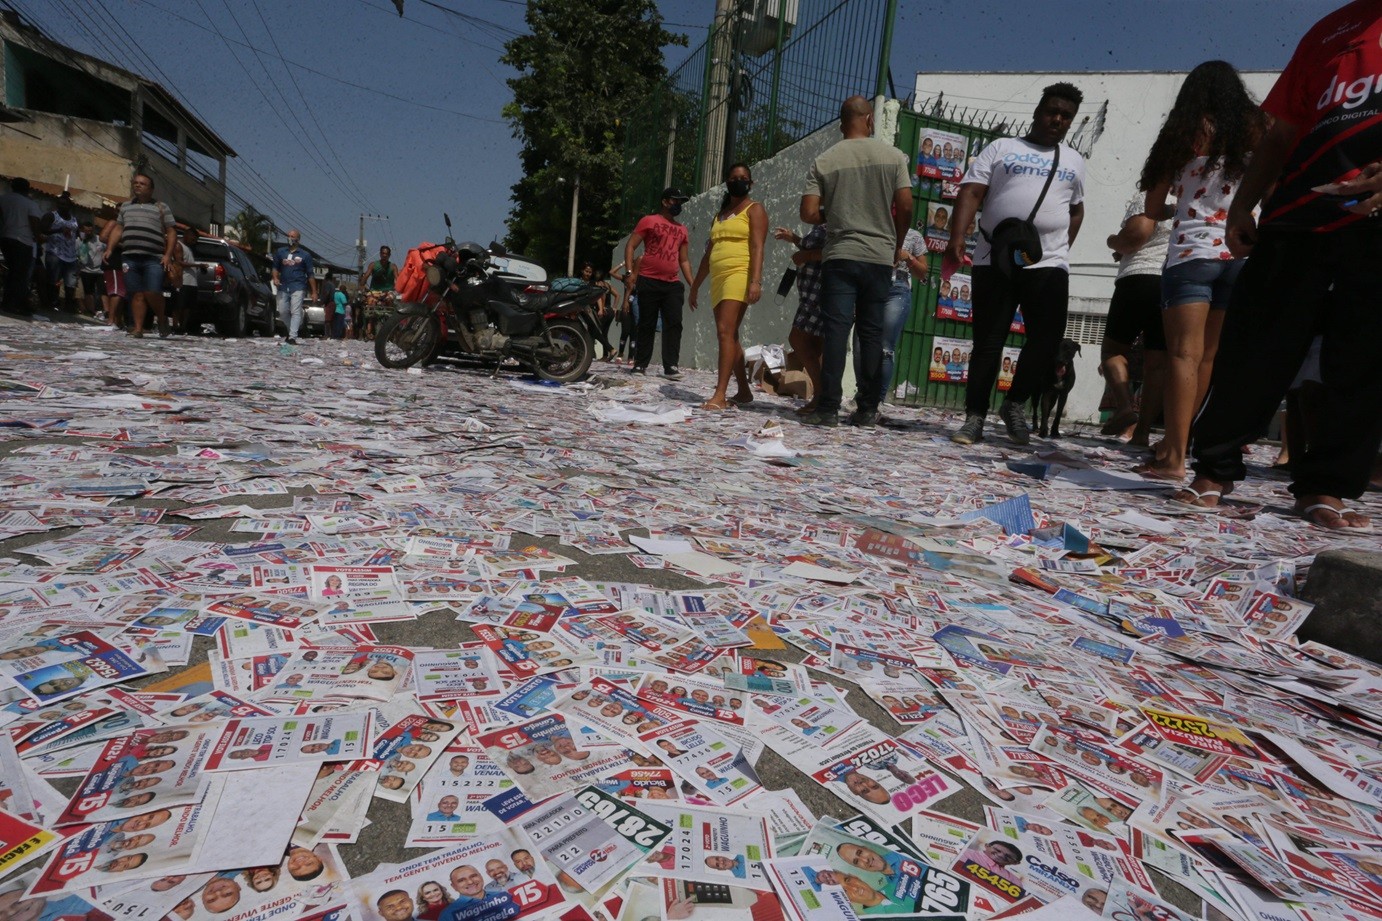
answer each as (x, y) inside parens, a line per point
(1315, 268)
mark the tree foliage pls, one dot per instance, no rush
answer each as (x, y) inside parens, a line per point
(251, 229)
(583, 66)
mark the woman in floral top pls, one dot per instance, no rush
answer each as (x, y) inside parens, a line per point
(1198, 159)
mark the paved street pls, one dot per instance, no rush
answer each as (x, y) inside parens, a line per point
(814, 532)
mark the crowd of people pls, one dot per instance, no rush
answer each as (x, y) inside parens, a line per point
(1247, 269)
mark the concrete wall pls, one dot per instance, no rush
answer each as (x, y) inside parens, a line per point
(777, 183)
(1137, 105)
(95, 154)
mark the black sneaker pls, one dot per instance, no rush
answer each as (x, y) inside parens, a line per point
(672, 374)
(1014, 416)
(969, 433)
(864, 419)
(826, 419)
(291, 341)
(643, 371)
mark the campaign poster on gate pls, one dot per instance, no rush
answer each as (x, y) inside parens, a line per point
(941, 154)
(956, 299)
(949, 360)
(936, 230)
(1007, 368)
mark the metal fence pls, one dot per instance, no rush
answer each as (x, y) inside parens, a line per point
(769, 74)
(939, 320)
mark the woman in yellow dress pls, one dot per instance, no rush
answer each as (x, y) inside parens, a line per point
(734, 261)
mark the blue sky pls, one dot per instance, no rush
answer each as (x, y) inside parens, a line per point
(330, 150)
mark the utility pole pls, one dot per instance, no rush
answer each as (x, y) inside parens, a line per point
(571, 243)
(880, 93)
(716, 112)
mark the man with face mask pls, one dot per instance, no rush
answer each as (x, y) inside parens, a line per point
(293, 275)
(654, 280)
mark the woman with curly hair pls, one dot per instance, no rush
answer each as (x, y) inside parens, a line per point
(1198, 159)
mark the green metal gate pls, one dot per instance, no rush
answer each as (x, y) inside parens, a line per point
(912, 382)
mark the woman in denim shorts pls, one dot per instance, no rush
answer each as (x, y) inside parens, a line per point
(1198, 159)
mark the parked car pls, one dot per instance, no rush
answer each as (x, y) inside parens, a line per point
(230, 292)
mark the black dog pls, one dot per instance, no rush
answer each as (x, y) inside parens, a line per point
(1058, 390)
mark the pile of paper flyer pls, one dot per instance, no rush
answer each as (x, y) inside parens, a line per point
(292, 637)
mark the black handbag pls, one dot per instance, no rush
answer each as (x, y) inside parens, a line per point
(1015, 243)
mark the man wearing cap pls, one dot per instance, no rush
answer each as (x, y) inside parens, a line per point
(654, 280)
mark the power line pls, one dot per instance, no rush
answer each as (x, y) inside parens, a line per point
(95, 11)
(358, 86)
(315, 156)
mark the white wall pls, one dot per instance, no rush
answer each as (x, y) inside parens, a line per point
(777, 183)
(1138, 104)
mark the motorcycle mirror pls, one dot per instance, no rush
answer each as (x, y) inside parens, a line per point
(498, 249)
(447, 218)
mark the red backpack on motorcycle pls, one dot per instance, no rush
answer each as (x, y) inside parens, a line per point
(411, 283)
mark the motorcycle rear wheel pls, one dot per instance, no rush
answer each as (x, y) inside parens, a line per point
(570, 359)
(404, 339)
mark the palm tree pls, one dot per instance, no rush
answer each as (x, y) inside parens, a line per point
(251, 228)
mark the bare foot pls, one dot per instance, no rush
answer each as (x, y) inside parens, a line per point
(743, 398)
(1153, 471)
(715, 405)
(1329, 513)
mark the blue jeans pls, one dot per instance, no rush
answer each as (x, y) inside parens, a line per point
(853, 294)
(143, 274)
(290, 310)
(895, 313)
(1200, 281)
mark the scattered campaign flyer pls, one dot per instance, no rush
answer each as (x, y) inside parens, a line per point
(50, 907)
(706, 759)
(866, 769)
(407, 750)
(485, 879)
(709, 846)
(524, 653)
(269, 610)
(152, 844)
(53, 670)
(809, 889)
(459, 797)
(593, 837)
(884, 883)
(544, 758)
(449, 674)
(329, 583)
(146, 770)
(21, 842)
(269, 740)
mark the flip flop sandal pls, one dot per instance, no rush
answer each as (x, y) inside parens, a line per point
(1194, 508)
(711, 408)
(1343, 513)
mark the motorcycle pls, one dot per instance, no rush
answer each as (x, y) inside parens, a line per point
(473, 310)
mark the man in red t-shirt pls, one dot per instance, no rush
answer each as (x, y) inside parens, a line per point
(654, 282)
(1315, 268)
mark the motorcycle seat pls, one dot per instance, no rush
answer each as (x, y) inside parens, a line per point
(545, 300)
